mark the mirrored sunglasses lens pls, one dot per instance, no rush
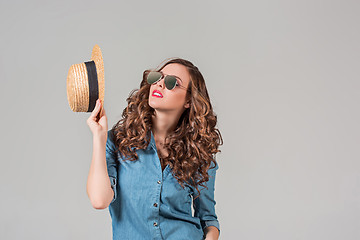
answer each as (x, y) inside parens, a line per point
(170, 82)
(153, 77)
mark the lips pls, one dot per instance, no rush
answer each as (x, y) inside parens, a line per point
(155, 95)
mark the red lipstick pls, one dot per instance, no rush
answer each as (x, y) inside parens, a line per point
(158, 94)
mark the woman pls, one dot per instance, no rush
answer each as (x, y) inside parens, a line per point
(159, 158)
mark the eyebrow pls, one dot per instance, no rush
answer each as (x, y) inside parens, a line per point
(174, 76)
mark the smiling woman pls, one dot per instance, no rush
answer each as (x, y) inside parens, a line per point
(160, 158)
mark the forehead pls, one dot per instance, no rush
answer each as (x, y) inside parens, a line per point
(178, 70)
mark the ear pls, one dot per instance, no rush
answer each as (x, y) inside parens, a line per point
(187, 104)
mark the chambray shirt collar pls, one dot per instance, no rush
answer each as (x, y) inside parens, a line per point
(152, 142)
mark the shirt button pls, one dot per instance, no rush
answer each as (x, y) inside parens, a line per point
(155, 204)
(155, 224)
(159, 182)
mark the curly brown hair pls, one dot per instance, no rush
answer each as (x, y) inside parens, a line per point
(194, 142)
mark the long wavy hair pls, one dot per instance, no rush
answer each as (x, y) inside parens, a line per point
(193, 144)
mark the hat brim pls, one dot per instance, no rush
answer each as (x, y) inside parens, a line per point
(96, 56)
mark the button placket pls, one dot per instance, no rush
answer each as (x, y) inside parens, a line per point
(156, 206)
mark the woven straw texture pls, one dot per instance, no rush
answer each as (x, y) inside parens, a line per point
(78, 86)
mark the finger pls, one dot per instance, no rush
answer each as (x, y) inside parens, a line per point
(101, 108)
(96, 109)
(102, 114)
(102, 111)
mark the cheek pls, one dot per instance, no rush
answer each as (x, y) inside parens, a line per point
(151, 89)
(178, 97)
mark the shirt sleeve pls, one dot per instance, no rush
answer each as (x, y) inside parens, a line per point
(111, 157)
(204, 205)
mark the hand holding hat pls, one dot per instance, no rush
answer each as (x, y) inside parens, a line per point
(98, 127)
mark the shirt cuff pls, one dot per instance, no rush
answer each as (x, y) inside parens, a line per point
(113, 186)
(208, 223)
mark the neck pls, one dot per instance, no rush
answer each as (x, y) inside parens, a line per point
(164, 123)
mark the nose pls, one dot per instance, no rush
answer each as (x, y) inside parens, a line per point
(161, 83)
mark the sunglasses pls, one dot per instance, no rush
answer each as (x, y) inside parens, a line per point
(170, 80)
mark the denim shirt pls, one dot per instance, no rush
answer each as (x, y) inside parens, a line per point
(150, 203)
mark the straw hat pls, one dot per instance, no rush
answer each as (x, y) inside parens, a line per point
(85, 83)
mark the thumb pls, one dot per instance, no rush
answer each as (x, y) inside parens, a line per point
(103, 122)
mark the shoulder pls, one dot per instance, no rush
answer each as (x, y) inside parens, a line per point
(214, 165)
(110, 142)
(110, 132)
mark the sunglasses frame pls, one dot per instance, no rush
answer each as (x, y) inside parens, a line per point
(166, 80)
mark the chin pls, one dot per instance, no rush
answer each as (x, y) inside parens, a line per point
(157, 106)
(154, 104)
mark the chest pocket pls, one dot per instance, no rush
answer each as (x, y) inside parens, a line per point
(179, 199)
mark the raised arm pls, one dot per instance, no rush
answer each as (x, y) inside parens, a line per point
(99, 188)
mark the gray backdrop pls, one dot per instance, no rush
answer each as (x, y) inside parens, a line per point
(283, 77)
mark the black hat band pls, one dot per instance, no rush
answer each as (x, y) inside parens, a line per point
(93, 84)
